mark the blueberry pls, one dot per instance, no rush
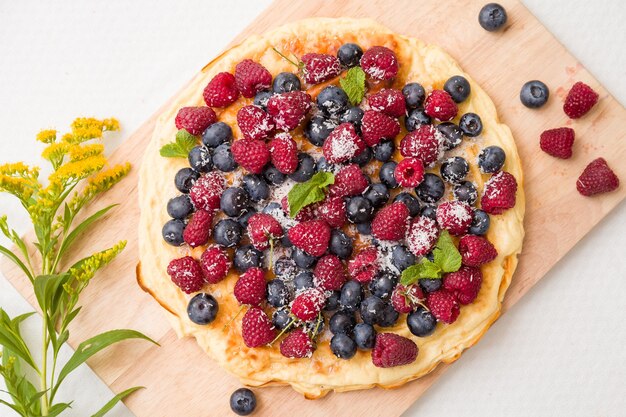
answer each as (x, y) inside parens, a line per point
(223, 158)
(202, 308)
(314, 328)
(277, 293)
(340, 244)
(285, 267)
(234, 201)
(480, 223)
(285, 241)
(322, 164)
(363, 158)
(471, 125)
(286, 82)
(458, 88)
(306, 168)
(491, 159)
(273, 176)
(227, 233)
(352, 115)
(430, 212)
(243, 402)
(256, 187)
(465, 191)
(383, 284)
(402, 257)
(351, 295)
(364, 228)
(364, 336)
(332, 100)
(534, 94)
(342, 346)
(454, 169)
(384, 150)
(200, 159)
(349, 54)
(421, 322)
(359, 209)
(372, 309)
(173, 232)
(492, 17)
(386, 174)
(261, 98)
(243, 219)
(272, 207)
(416, 118)
(431, 189)
(452, 135)
(216, 134)
(303, 280)
(414, 95)
(185, 179)
(342, 322)
(318, 129)
(377, 194)
(281, 318)
(179, 207)
(389, 316)
(430, 284)
(247, 257)
(303, 259)
(410, 202)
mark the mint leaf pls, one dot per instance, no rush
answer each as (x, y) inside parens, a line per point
(354, 85)
(309, 192)
(185, 141)
(446, 255)
(424, 269)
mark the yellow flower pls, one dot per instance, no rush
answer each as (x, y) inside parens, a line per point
(111, 124)
(20, 187)
(79, 153)
(47, 136)
(55, 152)
(87, 268)
(19, 169)
(88, 128)
(77, 170)
(99, 183)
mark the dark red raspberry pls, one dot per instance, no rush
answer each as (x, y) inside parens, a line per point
(597, 178)
(221, 90)
(251, 154)
(195, 120)
(422, 235)
(364, 265)
(499, 193)
(252, 77)
(380, 63)
(443, 305)
(186, 273)
(342, 144)
(558, 142)
(308, 304)
(262, 228)
(424, 143)
(464, 284)
(206, 192)
(376, 126)
(284, 153)
(198, 230)
(256, 328)
(333, 211)
(454, 216)
(406, 299)
(215, 264)
(251, 287)
(288, 110)
(391, 222)
(254, 122)
(329, 273)
(393, 350)
(311, 236)
(349, 181)
(320, 67)
(580, 99)
(297, 344)
(476, 250)
(439, 105)
(409, 172)
(389, 101)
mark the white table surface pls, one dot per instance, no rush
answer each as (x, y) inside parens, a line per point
(559, 352)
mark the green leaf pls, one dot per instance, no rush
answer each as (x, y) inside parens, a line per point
(180, 148)
(11, 339)
(119, 397)
(309, 192)
(17, 261)
(15, 408)
(354, 85)
(69, 239)
(424, 269)
(58, 408)
(446, 255)
(49, 290)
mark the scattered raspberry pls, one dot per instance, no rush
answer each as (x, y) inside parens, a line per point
(186, 273)
(320, 67)
(557, 142)
(422, 235)
(389, 101)
(391, 222)
(308, 304)
(342, 144)
(252, 77)
(464, 284)
(250, 288)
(206, 192)
(284, 153)
(329, 273)
(254, 123)
(424, 143)
(406, 299)
(580, 99)
(380, 63)
(262, 228)
(198, 229)
(296, 344)
(349, 181)
(393, 350)
(499, 194)
(409, 172)
(376, 126)
(443, 305)
(195, 120)
(256, 328)
(215, 264)
(288, 110)
(476, 250)
(311, 236)
(364, 265)
(305, 213)
(252, 154)
(439, 105)
(597, 178)
(333, 212)
(454, 216)
(221, 90)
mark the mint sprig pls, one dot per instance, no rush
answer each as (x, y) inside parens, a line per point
(180, 148)
(309, 192)
(446, 258)
(354, 85)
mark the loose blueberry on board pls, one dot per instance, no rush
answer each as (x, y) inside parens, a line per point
(430, 284)
(402, 257)
(332, 302)
(410, 202)
(364, 336)
(383, 284)
(216, 134)
(303, 259)
(452, 135)
(318, 129)
(349, 54)
(421, 322)
(173, 232)
(223, 158)
(202, 309)
(414, 95)
(431, 189)
(351, 295)
(227, 233)
(322, 164)
(372, 309)
(286, 82)
(247, 257)
(281, 318)
(200, 159)
(243, 402)
(363, 158)
(471, 125)
(359, 209)
(184, 179)
(430, 212)
(234, 201)
(492, 17)
(261, 98)
(534, 94)
(480, 223)
(277, 293)
(389, 316)
(332, 100)
(387, 174)
(243, 219)
(306, 168)
(342, 322)
(256, 187)
(364, 228)
(384, 150)
(416, 118)
(303, 280)
(342, 346)
(491, 159)
(454, 170)
(377, 194)
(180, 207)
(352, 115)
(285, 267)
(465, 191)
(340, 244)
(273, 176)
(458, 87)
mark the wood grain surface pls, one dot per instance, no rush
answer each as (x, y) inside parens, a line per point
(181, 380)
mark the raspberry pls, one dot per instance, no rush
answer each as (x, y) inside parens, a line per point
(476, 250)
(454, 216)
(221, 90)
(380, 63)
(254, 123)
(284, 153)
(409, 172)
(499, 194)
(252, 154)
(198, 230)
(557, 142)
(443, 305)
(308, 304)
(256, 328)
(439, 105)
(195, 120)
(206, 192)
(422, 235)
(296, 344)
(349, 181)
(389, 101)
(215, 264)
(406, 299)
(342, 144)
(186, 273)
(424, 143)
(305, 213)
(288, 110)
(311, 236)
(320, 67)
(250, 288)
(393, 350)
(329, 273)
(333, 212)
(464, 284)
(597, 178)
(364, 265)
(580, 99)
(376, 126)
(262, 228)
(252, 77)
(391, 222)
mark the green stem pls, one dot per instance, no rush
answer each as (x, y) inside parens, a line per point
(43, 376)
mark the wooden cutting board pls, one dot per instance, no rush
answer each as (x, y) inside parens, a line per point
(181, 380)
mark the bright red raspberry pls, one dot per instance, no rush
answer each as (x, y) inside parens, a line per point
(195, 120)
(376, 126)
(580, 99)
(308, 304)
(251, 154)
(499, 193)
(422, 235)
(380, 63)
(297, 344)
(186, 273)
(207, 191)
(320, 67)
(476, 250)
(454, 216)
(558, 142)
(439, 105)
(221, 90)
(464, 283)
(389, 101)
(311, 236)
(252, 77)
(251, 287)
(305, 213)
(284, 153)
(393, 350)
(254, 122)
(424, 143)
(256, 328)
(215, 264)
(364, 265)
(406, 299)
(329, 273)
(288, 110)
(198, 230)
(391, 222)
(342, 144)
(409, 172)
(333, 211)
(443, 305)
(262, 228)
(349, 181)
(597, 178)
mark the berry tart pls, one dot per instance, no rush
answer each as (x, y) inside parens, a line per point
(331, 206)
